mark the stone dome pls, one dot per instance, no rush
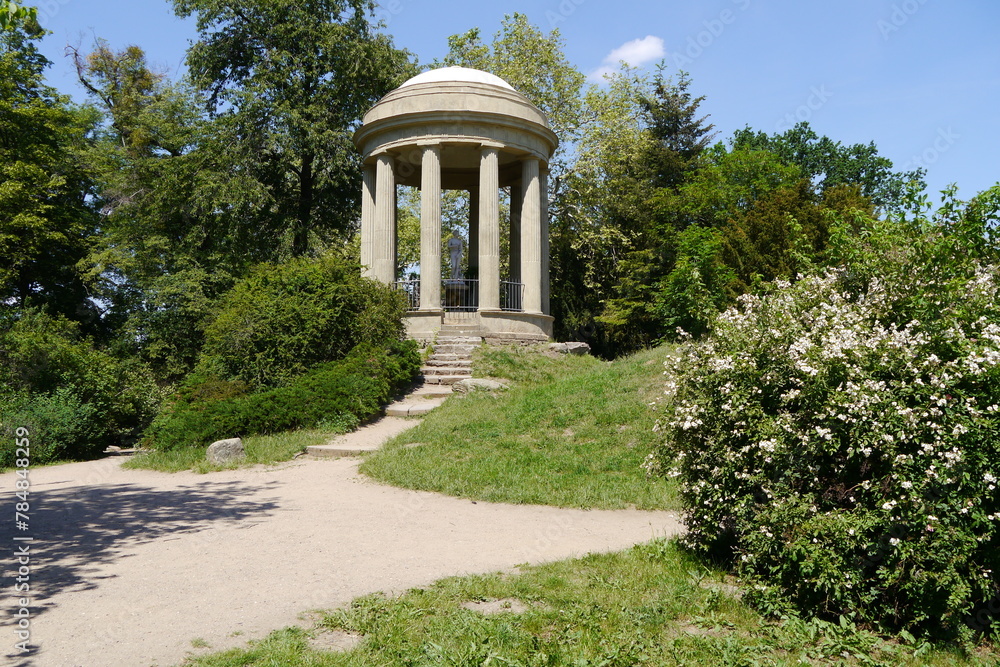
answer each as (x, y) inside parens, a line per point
(457, 75)
(456, 105)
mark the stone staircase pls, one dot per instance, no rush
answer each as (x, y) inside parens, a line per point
(452, 357)
(450, 362)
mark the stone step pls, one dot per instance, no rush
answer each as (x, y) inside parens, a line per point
(430, 371)
(445, 363)
(459, 340)
(413, 408)
(454, 349)
(444, 379)
(430, 392)
(437, 356)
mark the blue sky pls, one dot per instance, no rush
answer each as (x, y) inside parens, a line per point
(920, 78)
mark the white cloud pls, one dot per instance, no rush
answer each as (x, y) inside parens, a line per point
(636, 53)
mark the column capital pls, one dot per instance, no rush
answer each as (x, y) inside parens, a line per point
(488, 145)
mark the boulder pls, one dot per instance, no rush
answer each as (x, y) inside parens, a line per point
(476, 384)
(226, 451)
(579, 349)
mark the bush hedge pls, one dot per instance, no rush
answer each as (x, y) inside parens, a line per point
(839, 438)
(345, 392)
(76, 400)
(282, 320)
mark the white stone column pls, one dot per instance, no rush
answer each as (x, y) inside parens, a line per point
(367, 219)
(430, 229)
(531, 236)
(384, 227)
(543, 187)
(516, 204)
(489, 229)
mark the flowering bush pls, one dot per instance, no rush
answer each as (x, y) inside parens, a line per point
(840, 438)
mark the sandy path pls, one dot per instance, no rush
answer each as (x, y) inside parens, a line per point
(130, 566)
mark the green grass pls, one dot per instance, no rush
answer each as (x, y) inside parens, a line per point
(571, 432)
(260, 449)
(648, 606)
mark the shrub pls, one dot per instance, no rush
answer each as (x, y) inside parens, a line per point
(81, 397)
(282, 320)
(839, 439)
(345, 392)
(60, 426)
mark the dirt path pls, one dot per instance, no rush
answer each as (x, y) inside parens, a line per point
(128, 567)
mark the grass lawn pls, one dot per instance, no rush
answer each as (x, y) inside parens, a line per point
(259, 449)
(571, 432)
(651, 605)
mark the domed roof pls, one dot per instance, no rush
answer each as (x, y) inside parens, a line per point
(457, 75)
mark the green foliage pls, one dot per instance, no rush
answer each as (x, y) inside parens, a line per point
(60, 425)
(290, 81)
(828, 163)
(598, 211)
(178, 223)
(697, 289)
(679, 135)
(349, 391)
(839, 438)
(727, 183)
(662, 145)
(282, 320)
(46, 221)
(76, 398)
(11, 12)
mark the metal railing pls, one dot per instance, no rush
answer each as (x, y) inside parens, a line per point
(463, 295)
(411, 288)
(511, 296)
(460, 295)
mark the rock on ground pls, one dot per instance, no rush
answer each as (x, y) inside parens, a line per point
(225, 451)
(477, 384)
(579, 349)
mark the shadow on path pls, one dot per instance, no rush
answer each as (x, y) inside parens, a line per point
(78, 530)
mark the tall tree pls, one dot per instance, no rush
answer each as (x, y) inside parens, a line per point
(46, 221)
(173, 235)
(679, 133)
(598, 205)
(828, 163)
(677, 136)
(291, 79)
